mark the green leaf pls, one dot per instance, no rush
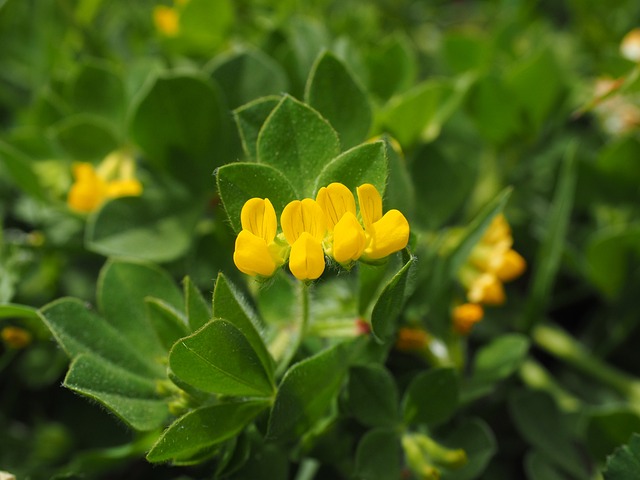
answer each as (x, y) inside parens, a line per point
(332, 90)
(378, 456)
(373, 396)
(537, 85)
(432, 397)
(446, 176)
(417, 113)
(229, 305)
(400, 192)
(478, 442)
(305, 394)
(133, 398)
(475, 230)
(624, 464)
(238, 182)
(80, 331)
(94, 77)
(85, 137)
(617, 163)
(249, 120)
(494, 110)
(19, 167)
(198, 311)
(538, 467)
(219, 359)
(203, 428)
(13, 310)
(365, 163)
(153, 227)
(247, 75)
(609, 427)
(609, 255)
(389, 305)
(180, 117)
(295, 139)
(550, 251)
(396, 59)
(169, 324)
(540, 422)
(495, 362)
(122, 289)
(204, 25)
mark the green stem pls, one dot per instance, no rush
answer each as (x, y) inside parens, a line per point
(563, 346)
(536, 376)
(296, 339)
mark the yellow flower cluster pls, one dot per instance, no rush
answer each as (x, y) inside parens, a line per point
(491, 263)
(114, 177)
(167, 19)
(312, 229)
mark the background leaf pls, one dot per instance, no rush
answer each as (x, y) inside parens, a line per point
(198, 311)
(249, 120)
(190, 141)
(378, 455)
(305, 394)
(624, 464)
(373, 396)
(332, 91)
(431, 398)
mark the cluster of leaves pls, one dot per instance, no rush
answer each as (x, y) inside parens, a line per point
(458, 114)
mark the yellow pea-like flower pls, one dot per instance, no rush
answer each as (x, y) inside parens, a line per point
(304, 227)
(114, 177)
(486, 289)
(335, 200)
(256, 252)
(349, 239)
(167, 20)
(303, 216)
(88, 191)
(306, 260)
(386, 234)
(630, 46)
(511, 266)
(252, 255)
(465, 316)
(259, 217)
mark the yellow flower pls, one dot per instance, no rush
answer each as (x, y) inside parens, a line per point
(465, 316)
(511, 266)
(630, 45)
(304, 226)
(385, 234)
(88, 191)
(411, 339)
(113, 178)
(256, 251)
(15, 337)
(346, 236)
(487, 289)
(167, 20)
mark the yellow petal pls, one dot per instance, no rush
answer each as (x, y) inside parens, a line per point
(487, 289)
(498, 231)
(123, 188)
(166, 20)
(630, 46)
(388, 235)
(370, 203)
(259, 217)
(252, 255)
(511, 266)
(88, 192)
(465, 316)
(306, 260)
(335, 200)
(348, 239)
(303, 216)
